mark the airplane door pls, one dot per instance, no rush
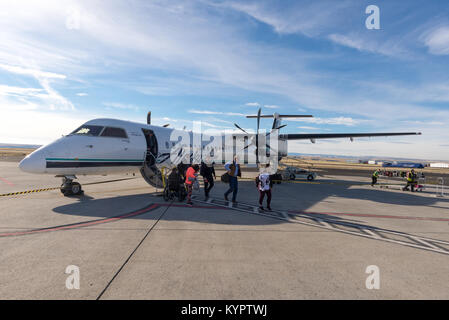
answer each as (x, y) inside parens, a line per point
(149, 171)
(152, 149)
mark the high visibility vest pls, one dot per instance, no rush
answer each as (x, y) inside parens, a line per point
(376, 174)
(409, 177)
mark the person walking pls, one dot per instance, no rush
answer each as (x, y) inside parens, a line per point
(374, 177)
(233, 169)
(191, 176)
(208, 174)
(264, 186)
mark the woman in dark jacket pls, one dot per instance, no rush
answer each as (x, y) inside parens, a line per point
(208, 174)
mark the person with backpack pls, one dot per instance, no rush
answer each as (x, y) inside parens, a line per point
(264, 185)
(233, 171)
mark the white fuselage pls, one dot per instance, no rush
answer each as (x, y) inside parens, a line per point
(78, 154)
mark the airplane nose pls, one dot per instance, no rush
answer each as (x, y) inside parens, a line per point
(33, 163)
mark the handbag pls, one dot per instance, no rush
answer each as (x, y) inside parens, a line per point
(225, 177)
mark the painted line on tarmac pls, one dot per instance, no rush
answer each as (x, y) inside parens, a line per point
(149, 208)
(134, 251)
(372, 216)
(56, 188)
(26, 192)
(83, 224)
(366, 231)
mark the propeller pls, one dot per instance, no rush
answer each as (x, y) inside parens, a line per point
(257, 135)
(256, 140)
(235, 124)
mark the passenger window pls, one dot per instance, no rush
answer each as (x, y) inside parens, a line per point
(114, 132)
(167, 145)
(88, 130)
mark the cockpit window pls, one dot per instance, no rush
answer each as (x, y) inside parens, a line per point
(114, 132)
(88, 130)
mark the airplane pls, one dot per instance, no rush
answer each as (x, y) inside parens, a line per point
(108, 146)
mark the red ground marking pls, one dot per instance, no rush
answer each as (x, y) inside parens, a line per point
(105, 220)
(6, 181)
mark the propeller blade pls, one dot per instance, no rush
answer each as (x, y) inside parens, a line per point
(235, 124)
(257, 135)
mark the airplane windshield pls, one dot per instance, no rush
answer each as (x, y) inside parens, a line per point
(88, 130)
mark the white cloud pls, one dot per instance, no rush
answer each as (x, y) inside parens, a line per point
(252, 104)
(437, 41)
(31, 72)
(123, 106)
(82, 94)
(308, 128)
(18, 91)
(384, 47)
(216, 112)
(51, 98)
(345, 121)
(271, 106)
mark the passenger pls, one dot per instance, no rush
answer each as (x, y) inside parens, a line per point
(191, 176)
(208, 174)
(264, 185)
(174, 180)
(411, 181)
(234, 171)
(374, 177)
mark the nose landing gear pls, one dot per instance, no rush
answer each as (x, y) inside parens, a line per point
(68, 187)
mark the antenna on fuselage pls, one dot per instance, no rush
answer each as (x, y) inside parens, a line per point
(149, 117)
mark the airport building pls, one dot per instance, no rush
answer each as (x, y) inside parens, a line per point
(439, 165)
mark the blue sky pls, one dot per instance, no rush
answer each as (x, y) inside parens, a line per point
(65, 62)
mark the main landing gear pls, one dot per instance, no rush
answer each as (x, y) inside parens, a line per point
(69, 188)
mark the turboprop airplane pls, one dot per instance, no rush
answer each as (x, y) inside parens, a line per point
(107, 146)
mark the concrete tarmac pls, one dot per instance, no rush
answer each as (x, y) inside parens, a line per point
(130, 244)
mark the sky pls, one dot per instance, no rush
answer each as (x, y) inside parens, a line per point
(65, 62)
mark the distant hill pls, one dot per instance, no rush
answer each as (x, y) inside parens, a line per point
(19, 146)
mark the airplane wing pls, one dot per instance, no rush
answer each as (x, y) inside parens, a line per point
(304, 136)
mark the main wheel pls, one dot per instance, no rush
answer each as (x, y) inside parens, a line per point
(66, 192)
(292, 177)
(76, 188)
(310, 177)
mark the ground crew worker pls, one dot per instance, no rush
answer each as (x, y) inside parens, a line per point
(191, 175)
(411, 181)
(374, 177)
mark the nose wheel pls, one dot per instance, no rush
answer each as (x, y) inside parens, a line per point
(69, 188)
